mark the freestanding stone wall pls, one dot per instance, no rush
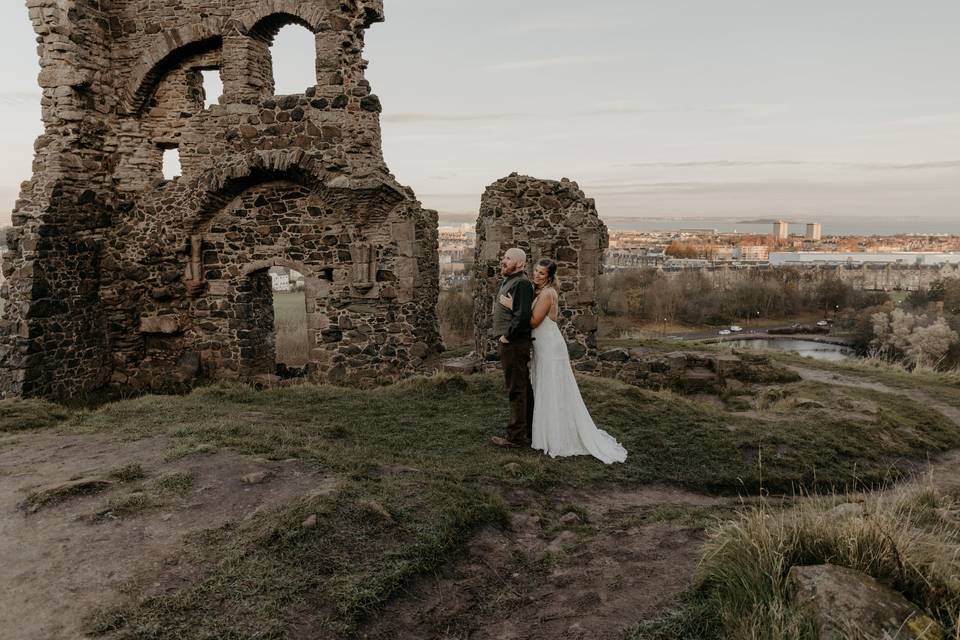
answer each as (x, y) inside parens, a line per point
(547, 219)
(116, 275)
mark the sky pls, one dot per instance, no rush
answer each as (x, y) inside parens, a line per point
(699, 109)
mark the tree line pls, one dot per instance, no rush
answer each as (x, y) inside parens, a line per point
(693, 298)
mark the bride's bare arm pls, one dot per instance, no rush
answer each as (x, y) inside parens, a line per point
(542, 309)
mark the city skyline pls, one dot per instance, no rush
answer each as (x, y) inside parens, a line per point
(684, 110)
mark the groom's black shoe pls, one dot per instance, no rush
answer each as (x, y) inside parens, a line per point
(497, 441)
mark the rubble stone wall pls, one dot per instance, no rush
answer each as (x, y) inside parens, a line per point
(547, 219)
(117, 275)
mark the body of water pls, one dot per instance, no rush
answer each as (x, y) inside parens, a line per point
(816, 350)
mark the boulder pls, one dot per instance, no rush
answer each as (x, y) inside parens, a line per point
(466, 365)
(846, 603)
(697, 381)
(615, 355)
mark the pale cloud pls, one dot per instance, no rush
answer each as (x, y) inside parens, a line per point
(542, 63)
(721, 164)
(755, 188)
(24, 97)
(732, 164)
(916, 166)
(451, 117)
(569, 23)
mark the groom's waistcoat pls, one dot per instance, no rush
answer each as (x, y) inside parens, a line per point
(502, 317)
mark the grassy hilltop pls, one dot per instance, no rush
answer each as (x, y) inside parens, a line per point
(416, 482)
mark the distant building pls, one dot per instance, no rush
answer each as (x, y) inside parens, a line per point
(781, 230)
(280, 279)
(906, 258)
(686, 263)
(724, 253)
(753, 253)
(814, 231)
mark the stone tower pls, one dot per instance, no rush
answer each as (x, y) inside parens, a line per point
(547, 219)
(116, 275)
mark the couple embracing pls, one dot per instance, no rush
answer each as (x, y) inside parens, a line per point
(546, 409)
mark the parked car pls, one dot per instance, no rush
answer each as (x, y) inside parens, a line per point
(724, 332)
(822, 323)
(736, 329)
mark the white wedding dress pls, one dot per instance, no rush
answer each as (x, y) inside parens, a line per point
(562, 426)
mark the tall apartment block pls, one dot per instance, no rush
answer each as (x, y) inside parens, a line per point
(781, 230)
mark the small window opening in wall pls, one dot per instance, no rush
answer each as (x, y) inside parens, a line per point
(294, 53)
(290, 321)
(212, 87)
(171, 163)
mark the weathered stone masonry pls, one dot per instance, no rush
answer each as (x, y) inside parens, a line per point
(547, 219)
(117, 276)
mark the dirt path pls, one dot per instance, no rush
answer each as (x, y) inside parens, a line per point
(574, 565)
(58, 566)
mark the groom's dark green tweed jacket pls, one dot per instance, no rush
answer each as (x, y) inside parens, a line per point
(514, 323)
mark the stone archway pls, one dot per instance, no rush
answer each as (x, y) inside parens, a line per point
(119, 277)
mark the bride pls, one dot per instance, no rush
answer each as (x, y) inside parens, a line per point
(562, 426)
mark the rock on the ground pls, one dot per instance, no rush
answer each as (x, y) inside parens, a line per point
(562, 542)
(466, 365)
(513, 468)
(255, 478)
(842, 600)
(310, 522)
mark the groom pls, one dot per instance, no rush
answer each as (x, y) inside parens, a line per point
(511, 327)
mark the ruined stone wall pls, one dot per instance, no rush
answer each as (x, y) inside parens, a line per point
(547, 219)
(116, 274)
(52, 331)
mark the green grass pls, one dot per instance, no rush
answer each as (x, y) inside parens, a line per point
(942, 386)
(21, 415)
(125, 506)
(178, 482)
(262, 578)
(443, 425)
(290, 324)
(127, 473)
(419, 477)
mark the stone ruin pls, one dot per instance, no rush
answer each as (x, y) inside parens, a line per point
(547, 219)
(116, 276)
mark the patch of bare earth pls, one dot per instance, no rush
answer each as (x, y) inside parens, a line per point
(60, 564)
(573, 565)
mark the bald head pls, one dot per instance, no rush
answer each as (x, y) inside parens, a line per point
(517, 254)
(514, 260)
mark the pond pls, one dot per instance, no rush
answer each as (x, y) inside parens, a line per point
(816, 350)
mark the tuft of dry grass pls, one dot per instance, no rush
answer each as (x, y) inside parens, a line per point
(127, 473)
(907, 538)
(49, 496)
(177, 482)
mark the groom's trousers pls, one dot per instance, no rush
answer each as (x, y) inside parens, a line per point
(515, 358)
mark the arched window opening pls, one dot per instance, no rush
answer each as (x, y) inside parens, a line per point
(294, 53)
(290, 321)
(171, 162)
(212, 87)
